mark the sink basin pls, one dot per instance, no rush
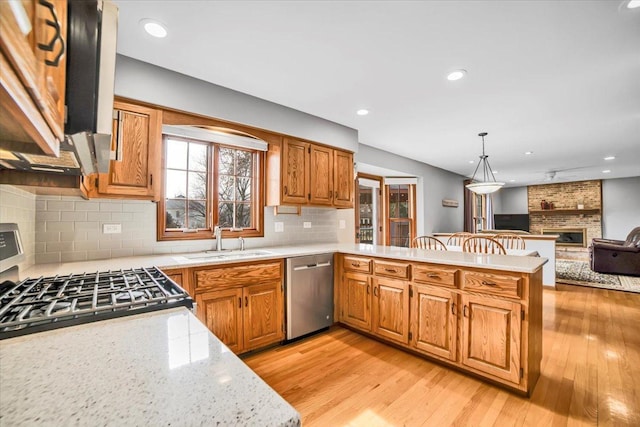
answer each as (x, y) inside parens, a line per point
(219, 256)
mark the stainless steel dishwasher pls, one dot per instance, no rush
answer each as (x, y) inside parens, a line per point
(309, 294)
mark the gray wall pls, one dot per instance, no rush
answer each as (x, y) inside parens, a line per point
(149, 83)
(620, 207)
(437, 184)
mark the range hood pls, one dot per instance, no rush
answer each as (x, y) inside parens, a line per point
(90, 80)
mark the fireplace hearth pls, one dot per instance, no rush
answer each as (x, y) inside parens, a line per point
(568, 236)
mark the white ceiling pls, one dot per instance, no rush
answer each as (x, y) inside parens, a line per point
(559, 78)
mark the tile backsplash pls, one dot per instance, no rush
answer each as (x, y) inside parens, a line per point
(18, 206)
(71, 229)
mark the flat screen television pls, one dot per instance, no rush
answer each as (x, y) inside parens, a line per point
(511, 222)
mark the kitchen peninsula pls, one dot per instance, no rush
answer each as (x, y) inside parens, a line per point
(478, 313)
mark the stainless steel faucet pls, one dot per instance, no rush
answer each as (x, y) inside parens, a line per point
(241, 239)
(217, 233)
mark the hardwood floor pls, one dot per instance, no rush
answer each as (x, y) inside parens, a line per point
(590, 374)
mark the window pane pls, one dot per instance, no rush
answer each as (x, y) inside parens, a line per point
(243, 189)
(226, 161)
(176, 154)
(176, 184)
(400, 233)
(197, 185)
(225, 214)
(175, 213)
(245, 163)
(197, 214)
(198, 157)
(243, 215)
(225, 188)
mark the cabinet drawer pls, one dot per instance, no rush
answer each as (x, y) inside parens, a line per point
(435, 275)
(391, 269)
(354, 263)
(226, 277)
(496, 284)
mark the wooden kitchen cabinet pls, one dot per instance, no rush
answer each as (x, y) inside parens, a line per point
(308, 174)
(181, 277)
(391, 309)
(32, 81)
(491, 336)
(243, 305)
(434, 321)
(137, 138)
(355, 304)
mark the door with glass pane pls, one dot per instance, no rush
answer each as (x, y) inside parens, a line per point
(400, 214)
(368, 212)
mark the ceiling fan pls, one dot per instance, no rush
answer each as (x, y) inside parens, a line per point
(554, 174)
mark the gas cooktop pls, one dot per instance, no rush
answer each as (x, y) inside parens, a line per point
(45, 303)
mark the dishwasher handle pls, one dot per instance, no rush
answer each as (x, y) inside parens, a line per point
(310, 266)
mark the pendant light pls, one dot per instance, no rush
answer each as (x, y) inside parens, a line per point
(485, 186)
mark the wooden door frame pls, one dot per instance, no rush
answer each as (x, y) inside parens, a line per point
(412, 214)
(381, 231)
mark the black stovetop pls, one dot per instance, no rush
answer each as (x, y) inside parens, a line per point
(45, 303)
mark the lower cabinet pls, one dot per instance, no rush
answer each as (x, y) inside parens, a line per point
(491, 336)
(242, 305)
(355, 308)
(391, 309)
(434, 321)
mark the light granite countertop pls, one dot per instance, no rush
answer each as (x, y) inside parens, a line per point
(517, 263)
(160, 368)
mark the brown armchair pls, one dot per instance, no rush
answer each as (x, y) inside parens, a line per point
(616, 256)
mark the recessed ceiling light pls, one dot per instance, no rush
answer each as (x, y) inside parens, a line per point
(456, 75)
(633, 4)
(512, 180)
(606, 171)
(528, 152)
(470, 162)
(362, 112)
(610, 157)
(154, 28)
(495, 171)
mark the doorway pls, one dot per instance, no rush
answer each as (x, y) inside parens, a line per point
(369, 228)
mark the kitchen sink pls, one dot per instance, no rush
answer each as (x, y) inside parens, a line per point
(221, 256)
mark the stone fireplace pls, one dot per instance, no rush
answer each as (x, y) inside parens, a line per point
(576, 215)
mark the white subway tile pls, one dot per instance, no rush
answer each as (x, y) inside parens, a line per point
(110, 244)
(73, 256)
(98, 216)
(100, 254)
(62, 205)
(122, 216)
(73, 216)
(87, 206)
(110, 207)
(59, 226)
(123, 252)
(87, 225)
(48, 236)
(47, 258)
(87, 245)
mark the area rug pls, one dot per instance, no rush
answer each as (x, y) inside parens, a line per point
(579, 273)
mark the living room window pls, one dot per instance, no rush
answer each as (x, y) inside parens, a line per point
(208, 184)
(400, 213)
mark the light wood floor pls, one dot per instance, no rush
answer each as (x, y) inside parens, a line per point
(590, 374)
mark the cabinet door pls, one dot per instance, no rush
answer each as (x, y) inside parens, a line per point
(263, 314)
(221, 312)
(137, 138)
(391, 309)
(355, 303)
(343, 182)
(32, 91)
(321, 175)
(491, 336)
(434, 321)
(295, 172)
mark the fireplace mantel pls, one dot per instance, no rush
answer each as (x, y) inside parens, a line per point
(565, 212)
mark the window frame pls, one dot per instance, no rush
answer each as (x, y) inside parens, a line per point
(481, 215)
(257, 212)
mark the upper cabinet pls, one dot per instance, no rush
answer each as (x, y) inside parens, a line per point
(303, 173)
(136, 142)
(32, 81)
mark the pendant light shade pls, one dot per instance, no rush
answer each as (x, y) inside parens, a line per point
(488, 183)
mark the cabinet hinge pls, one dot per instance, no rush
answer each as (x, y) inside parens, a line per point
(410, 336)
(521, 373)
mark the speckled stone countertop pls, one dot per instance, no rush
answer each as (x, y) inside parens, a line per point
(161, 368)
(515, 262)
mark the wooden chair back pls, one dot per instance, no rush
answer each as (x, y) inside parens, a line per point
(456, 239)
(428, 242)
(484, 245)
(510, 241)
